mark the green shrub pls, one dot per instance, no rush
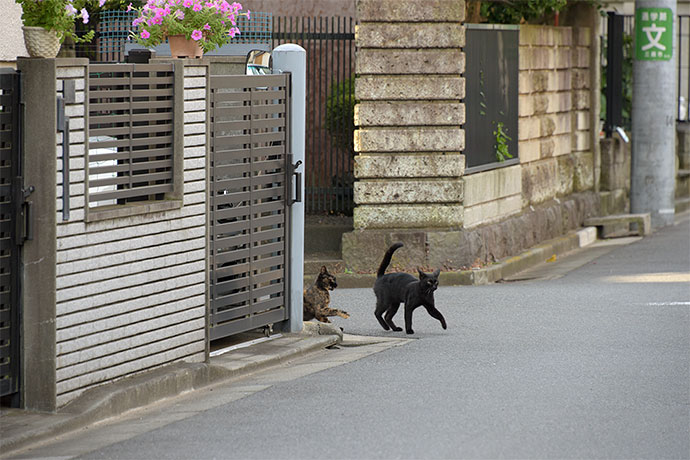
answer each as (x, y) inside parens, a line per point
(340, 114)
(518, 11)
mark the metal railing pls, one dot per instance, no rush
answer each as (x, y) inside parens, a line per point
(617, 59)
(330, 47)
(130, 145)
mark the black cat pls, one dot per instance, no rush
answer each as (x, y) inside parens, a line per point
(394, 288)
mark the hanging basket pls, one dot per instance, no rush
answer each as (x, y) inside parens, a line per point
(40, 42)
(181, 47)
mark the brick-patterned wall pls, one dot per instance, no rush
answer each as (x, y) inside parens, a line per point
(554, 124)
(130, 291)
(409, 141)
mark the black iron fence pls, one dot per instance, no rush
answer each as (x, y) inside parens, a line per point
(491, 100)
(617, 33)
(330, 107)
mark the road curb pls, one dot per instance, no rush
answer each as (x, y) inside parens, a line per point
(22, 429)
(497, 271)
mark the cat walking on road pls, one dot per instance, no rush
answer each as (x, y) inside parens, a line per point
(392, 289)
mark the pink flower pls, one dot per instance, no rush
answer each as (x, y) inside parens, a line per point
(248, 15)
(101, 3)
(129, 7)
(207, 27)
(85, 15)
(179, 14)
(234, 31)
(187, 3)
(145, 34)
(196, 35)
(197, 7)
(71, 11)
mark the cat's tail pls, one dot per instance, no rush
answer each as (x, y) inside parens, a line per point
(387, 259)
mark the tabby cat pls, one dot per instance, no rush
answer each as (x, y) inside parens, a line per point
(393, 288)
(317, 298)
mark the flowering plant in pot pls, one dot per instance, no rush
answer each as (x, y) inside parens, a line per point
(48, 22)
(57, 15)
(208, 23)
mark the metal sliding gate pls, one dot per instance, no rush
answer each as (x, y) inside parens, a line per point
(10, 231)
(248, 202)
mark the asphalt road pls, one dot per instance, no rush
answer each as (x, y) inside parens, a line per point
(588, 362)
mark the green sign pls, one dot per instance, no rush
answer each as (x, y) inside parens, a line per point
(653, 34)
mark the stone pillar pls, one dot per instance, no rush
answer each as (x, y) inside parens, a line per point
(409, 138)
(38, 352)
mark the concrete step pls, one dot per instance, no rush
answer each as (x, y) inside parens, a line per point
(682, 205)
(324, 233)
(313, 266)
(621, 225)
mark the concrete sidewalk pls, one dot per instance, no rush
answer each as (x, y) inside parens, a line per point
(251, 352)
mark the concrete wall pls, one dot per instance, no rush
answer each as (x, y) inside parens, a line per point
(12, 43)
(129, 292)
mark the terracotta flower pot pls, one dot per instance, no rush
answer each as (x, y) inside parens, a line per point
(180, 47)
(41, 42)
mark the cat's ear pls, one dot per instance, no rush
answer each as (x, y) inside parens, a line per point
(436, 273)
(323, 270)
(422, 275)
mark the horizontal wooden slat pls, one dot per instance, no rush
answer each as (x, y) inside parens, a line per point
(246, 324)
(126, 131)
(130, 168)
(128, 154)
(153, 140)
(242, 81)
(102, 68)
(96, 120)
(151, 93)
(128, 193)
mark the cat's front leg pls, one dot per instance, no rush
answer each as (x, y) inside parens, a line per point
(431, 309)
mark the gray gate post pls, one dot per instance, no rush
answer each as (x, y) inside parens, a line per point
(293, 58)
(654, 111)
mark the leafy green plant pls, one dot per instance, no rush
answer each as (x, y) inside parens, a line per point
(501, 146)
(518, 11)
(58, 15)
(340, 114)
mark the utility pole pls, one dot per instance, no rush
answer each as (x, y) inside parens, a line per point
(654, 105)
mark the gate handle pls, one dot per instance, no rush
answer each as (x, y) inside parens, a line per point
(298, 181)
(28, 234)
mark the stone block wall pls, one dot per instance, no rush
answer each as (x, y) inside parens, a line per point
(492, 195)
(554, 112)
(409, 141)
(130, 291)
